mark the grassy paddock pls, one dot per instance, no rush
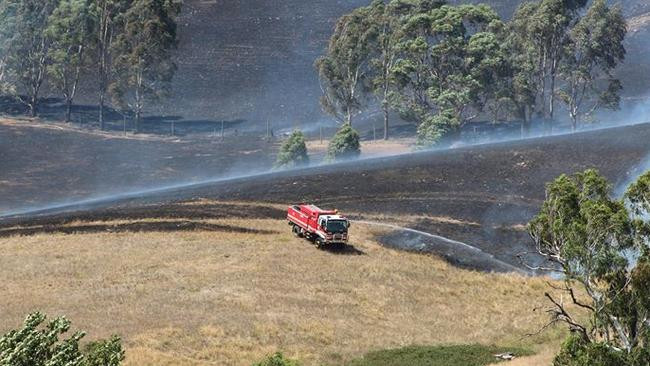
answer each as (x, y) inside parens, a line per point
(230, 298)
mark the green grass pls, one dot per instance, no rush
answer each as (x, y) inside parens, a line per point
(461, 355)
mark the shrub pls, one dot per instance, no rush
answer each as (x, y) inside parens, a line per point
(277, 360)
(38, 344)
(452, 355)
(576, 352)
(345, 144)
(293, 152)
(434, 128)
(105, 352)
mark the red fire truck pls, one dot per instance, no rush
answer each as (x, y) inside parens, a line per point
(317, 225)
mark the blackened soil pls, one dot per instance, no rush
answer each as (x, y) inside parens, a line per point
(482, 196)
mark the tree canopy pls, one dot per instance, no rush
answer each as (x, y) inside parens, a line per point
(439, 64)
(344, 145)
(599, 245)
(293, 152)
(38, 343)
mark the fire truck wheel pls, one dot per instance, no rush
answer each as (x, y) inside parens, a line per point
(296, 231)
(319, 243)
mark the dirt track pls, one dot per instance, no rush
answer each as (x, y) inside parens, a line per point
(481, 195)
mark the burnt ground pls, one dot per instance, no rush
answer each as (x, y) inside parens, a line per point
(481, 195)
(42, 163)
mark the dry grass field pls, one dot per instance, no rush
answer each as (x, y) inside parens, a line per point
(232, 290)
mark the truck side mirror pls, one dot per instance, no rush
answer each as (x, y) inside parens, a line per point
(349, 223)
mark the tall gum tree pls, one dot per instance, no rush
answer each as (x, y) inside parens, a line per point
(107, 14)
(30, 44)
(447, 53)
(343, 70)
(144, 54)
(600, 246)
(594, 50)
(71, 26)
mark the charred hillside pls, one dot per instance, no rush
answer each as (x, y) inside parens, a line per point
(482, 195)
(254, 59)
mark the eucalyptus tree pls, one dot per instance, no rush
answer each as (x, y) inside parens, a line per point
(450, 55)
(107, 14)
(38, 343)
(28, 56)
(546, 26)
(8, 10)
(594, 50)
(71, 27)
(384, 53)
(143, 52)
(599, 245)
(524, 79)
(344, 69)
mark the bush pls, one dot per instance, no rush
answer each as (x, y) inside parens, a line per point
(455, 355)
(293, 152)
(577, 352)
(345, 144)
(104, 353)
(277, 360)
(434, 128)
(38, 344)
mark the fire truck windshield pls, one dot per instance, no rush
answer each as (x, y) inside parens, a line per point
(337, 226)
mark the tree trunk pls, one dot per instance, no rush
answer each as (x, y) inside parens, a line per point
(32, 104)
(101, 111)
(385, 121)
(551, 106)
(137, 121)
(525, 123)
(68, 109)
(574, 122)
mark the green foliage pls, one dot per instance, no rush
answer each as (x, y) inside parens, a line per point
(600, 246)
(344, 68)
(576, 352)
(594, 49)
(27, 45)
(426, 59)
(38, 344)
(293, 152)
(144, 53)
(449, 56)
(345, 144)
(461, 355)
(104, 353)
(277, 359)
(433, 128)
(70, 27)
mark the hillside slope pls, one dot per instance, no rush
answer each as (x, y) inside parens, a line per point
(481, 195)
(254, 59)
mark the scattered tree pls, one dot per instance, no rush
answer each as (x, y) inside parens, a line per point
(600, 246)
(345, 144)
(293, 152)
(434, 128)
(594, 49)
(384, 51)
(451, 56)
(29, 45)
(70, 29)
(344, 69)
(144, 57)
(39, 344)
(108, 14)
